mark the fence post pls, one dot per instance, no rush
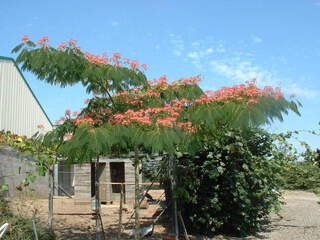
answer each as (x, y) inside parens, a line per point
(97, 202)
(50, 197)
(137, 234)
(172, 165)
(120, 211)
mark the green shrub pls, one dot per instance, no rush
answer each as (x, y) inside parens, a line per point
(302, 176)
(231, 185)
(21, 227)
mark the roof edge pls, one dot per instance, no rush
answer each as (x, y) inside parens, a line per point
(21, 74)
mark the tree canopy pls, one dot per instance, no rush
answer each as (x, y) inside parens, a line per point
(128, 112)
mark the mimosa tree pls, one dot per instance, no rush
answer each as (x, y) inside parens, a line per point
(129, 113)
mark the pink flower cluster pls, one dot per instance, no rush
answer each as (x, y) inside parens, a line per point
(162, 82)
(25, 39)
(115, 59)
(62, 46)
(248, 93)
(78, 121)
(161, 117)
(43, 41)
(67, 136)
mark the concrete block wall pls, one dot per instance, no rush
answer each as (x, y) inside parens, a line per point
(10, 163)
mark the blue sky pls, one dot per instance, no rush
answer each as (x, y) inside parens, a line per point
(226, 41)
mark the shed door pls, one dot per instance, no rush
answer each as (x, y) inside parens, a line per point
(117, 176)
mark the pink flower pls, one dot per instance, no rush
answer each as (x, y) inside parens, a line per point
(62, 46)
(144, 66)
(25, 39)
(45, 38)
(251, 101)
(67, 136)
(68, 112)
(72, 42)
(105, 54)
(41, 42)
(293, 95)
(116, 56)
(75, 114)
(78, 48)
(126, 60)
(278, 89)
(162, 79)
(134, 64)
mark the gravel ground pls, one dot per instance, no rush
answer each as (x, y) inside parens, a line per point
(301, 219)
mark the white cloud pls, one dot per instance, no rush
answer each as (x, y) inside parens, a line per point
(177, 52)
(193, 55)
(237, 64)
(239, 71)
(220, 49)
(256, 39)
(177, 43)
(300, 91)
(115, 23)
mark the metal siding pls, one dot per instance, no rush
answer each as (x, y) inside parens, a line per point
(20, 112)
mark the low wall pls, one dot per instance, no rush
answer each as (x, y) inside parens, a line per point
(14, 168)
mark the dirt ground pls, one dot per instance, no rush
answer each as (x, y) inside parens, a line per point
(300, 218)
(76, 227)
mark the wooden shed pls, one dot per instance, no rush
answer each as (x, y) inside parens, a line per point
(78, 180)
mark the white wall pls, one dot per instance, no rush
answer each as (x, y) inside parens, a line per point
(20, 111)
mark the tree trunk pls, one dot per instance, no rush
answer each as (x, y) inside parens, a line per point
(136, 196)
(50, 198)
(97, 202)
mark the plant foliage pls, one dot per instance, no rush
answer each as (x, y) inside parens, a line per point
(231, 184)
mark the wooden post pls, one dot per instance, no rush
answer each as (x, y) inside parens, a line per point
(137, 235)
(184, 227)
(174, 201)
(120, 211)
(50, 197)
(34, 229)
(97, 202)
